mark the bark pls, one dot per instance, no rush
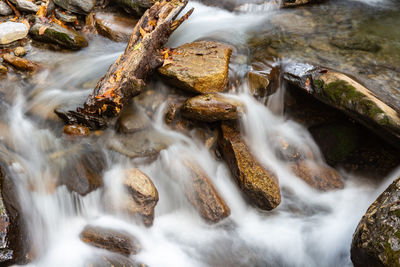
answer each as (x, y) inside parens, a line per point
(125, 78)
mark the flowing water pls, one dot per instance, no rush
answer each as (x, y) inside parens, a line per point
(309, 228)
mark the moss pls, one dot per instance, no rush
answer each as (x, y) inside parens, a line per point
(318, 83)
(397, 234)
(392, 257)
(396, 212)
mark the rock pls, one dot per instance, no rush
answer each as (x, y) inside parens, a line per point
(376, 241)
(293, 3)
(25, 5)
(12, 31)
(292, 23)
(65, 17)
(3, 70)
(135, 6)
(76, 6)
(133, 119)
(355, 43)
(346, 94)
(113, 260)
(258, 183)
(53, 33)
(199, 67)
(143, 195)
(146, 143)
(19, 51)
(112, 240)
(263, 80)
(320, 177)
(21, 63)
(289, 152)
(5, 10)
(212, 107)
(76, 130)
(204, 197)
(115, 26)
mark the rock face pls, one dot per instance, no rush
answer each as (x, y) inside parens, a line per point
(346, 94)
(76, 6)
(376, 241)
(115, 241)
(212, 107)
(5, 10)
(53, 33)
(24, 5)
(199, 67)
(21, 63)
(12, 31)
(135, 6)
(322, 178)
(116, 27)
(258, 184)
(143, 195)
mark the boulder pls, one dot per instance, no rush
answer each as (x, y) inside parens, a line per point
(259, 184)
(320, 177)
(137, 7)
(12, 31)
(199, 67)
(21, 63)
(76, 6)
(376, 241)
(212, 107)
(133, 119)
(115, 26)
(25, 5)
(112, 240)
(5, 10)
(143, 195)
(53, 33)
(346, 94)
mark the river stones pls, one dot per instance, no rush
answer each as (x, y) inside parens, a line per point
(133, 119)
(259, 184)
(212, 107)
(67, 18)
(292, 23)
(53, 33)
(320, 177)
(112, 240)
(76, 6)
(354, 43)
(199, 67)
(293, 3)
(114, 26)
(3, 70)
(25, 5)
(346, 94)
(12, 31)
(76, 130)
(112, 260)
(19, 51)
(142, 195)
(263, 80)
(21, 63)
(137, 7)
(5, 10)
(376, 241)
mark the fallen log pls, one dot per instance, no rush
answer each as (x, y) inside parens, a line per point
(125, 78)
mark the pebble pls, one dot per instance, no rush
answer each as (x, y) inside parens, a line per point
(19, 51)
(3, 69)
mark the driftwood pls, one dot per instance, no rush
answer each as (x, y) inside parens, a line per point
(125, 78)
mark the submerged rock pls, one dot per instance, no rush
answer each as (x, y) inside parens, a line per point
(133, 119)
(376, 241)
(258, 183)
(12, 31)
(143, 195)
(212, 107)
(199, 67)
(114, 26)
(5, 10)
(112, 260)
(354, 43)
(25, 5)
(76, 130)
(76, 6)
(21, 63)
(112, 240)
(135, 6)
(53, 33)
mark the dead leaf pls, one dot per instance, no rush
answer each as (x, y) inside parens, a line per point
(137, 46)
(167, 62)
(153, 22)
(142, 32)
(42, 29)
(42, 11)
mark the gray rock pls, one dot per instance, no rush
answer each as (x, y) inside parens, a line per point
(24, 5)
(76, 6)
(135, 6)
(65, 17)
(12, 31)
(5, 10)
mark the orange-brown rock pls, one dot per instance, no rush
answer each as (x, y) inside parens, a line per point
(212, 107)
(259, 184)
(117, 27)
(76, 130)
(320, 177)
(21, 63)
(263, 80)
(199, 67)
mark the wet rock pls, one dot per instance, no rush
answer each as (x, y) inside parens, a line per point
(5, 10)
(137, 7)
(346, 94)
(293, 3)
(376, 241)
(320, 177)
(133, 119)
(112, 240)
(143, 195)
(3, 70)
(76, 6)
(76, 130)
(113, 260)
(53, 33)
(258, 183)
(200, 67)
(355, 43)
(212, 107)
(289, 152)
(146, 143)
(25, 5)
(65, 17)
(19, 51)
(12, 31)
(292, 23)
(263, 80)
(114, 26)
(202, 194)
(21, 63)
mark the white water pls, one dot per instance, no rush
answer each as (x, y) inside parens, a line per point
(309, 228)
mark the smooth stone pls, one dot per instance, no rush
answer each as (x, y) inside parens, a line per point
(5, 10)
(12, 31)
(76, 130)
(19, 51)
(26, 6)
(76, 6)
(115, 26)
(65, 17)
(263, 80)
(21, 63)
